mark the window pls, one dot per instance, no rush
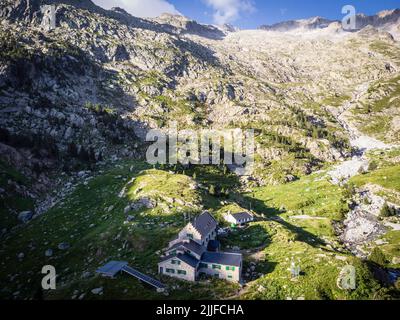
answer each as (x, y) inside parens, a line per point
(229, 277)
(182, 272)
(189, 235)
(216, 266)
(176, 262)
(230, 268)
(170, 270)
(203, 265)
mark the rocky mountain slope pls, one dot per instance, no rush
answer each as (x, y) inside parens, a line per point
(88, 90)
(77, 101)
(383, 19)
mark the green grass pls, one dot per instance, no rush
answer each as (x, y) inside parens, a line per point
(319, 272)
(387, 49)
(186, 113)
(391, 249)
(99, 233)
(385, 158)
(310, 242)
(152, 78)
(12, 203)
(318, 227)
(257, 234)
(376, 114)
(388, 177)
(335, 101)
(312, 195)
(158, 184)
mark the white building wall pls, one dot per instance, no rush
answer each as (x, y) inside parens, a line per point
(229, 218)
(190, 271)
(189, 229)
(222, 273)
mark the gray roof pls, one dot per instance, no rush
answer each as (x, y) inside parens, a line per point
(189, 245)
(242, 216)
(188, 259)
(226, 259)
(112, 268)
(204, 223)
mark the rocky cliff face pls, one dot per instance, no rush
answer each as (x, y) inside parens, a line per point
(306, 24)
(89, 89)
(380, 20)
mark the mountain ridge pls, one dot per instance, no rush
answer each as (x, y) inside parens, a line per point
(378, 20)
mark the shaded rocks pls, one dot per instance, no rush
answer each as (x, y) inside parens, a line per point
(25, 216)
(127, 209)
(396, 260)
(143, 203)
(64, 246)
(230, 92)
(362, 224)
(120, 54)
(97, 291)
(290, 178)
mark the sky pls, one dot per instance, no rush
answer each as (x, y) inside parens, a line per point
(248, 14)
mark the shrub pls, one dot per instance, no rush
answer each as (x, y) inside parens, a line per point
(386, 211)
(397, 284)
(349, 190)
(373, 166)
(211, 190)
(377, 257)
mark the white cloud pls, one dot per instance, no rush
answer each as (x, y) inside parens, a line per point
(140, 8)
(227, 11)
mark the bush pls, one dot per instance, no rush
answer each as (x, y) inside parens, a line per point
(349, 190)
(377, 257)
(386, 211)
(373, 166)
(211, 190)
(397, 284)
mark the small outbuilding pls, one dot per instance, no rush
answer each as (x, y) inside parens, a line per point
(239, 219)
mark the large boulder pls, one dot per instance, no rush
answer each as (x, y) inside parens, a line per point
(63, 246)
(25, 216)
